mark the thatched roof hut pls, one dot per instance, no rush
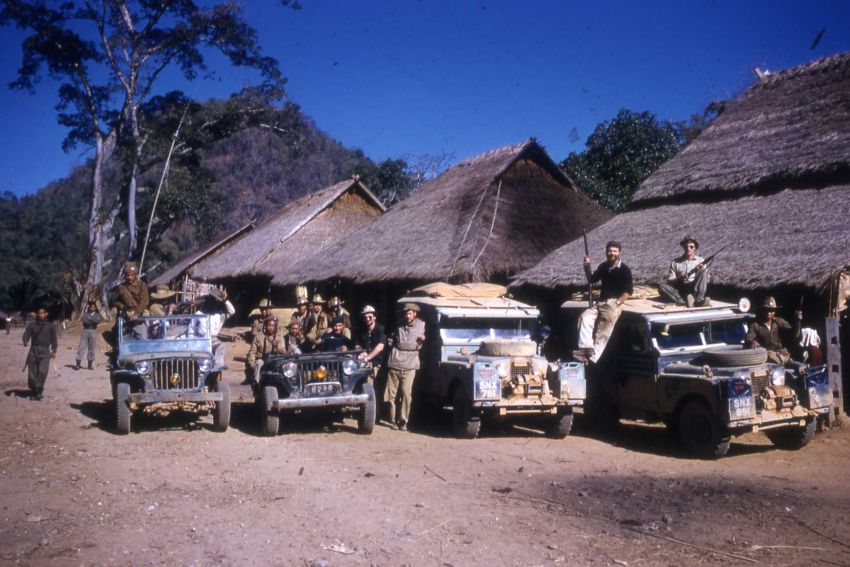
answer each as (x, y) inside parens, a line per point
(308, 224)
(183, 267)
(769, 178)
(485, 218)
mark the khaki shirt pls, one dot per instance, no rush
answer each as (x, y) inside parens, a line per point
(264, 344)
(681, 267)
(405, 353)
(316, 327)
(132, 297)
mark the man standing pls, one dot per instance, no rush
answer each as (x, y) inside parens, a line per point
(596, 323)
(687, 280)
(371, 339)
(317, 322)
(42, 351)
(132, 297)
(270, 341)
(265, 308)
(403, 364)
(301, 315)
(764, 332)
(219, 308)
(161, 304)
(88, 337)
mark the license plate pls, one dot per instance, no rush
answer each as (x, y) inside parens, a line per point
(323, 389)
(740, 408)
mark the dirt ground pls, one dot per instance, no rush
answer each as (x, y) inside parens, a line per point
(173, 492)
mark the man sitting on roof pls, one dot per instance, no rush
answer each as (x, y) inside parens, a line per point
(597, 322)
(687, 280)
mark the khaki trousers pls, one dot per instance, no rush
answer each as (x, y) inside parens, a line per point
(595, 326)
(399, 385)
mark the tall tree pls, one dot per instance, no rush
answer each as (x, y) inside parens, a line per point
(620, 154)
(107, 56)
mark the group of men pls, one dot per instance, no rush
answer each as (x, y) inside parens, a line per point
(312, 329)
(686, 285)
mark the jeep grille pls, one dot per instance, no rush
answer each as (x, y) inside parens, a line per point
(185, 370)
(520, 370)
(761, 380)
(307, 369)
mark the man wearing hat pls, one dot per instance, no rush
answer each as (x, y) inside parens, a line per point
(687, 280)
(295, 341)
(371, 339)
(265, 308)
(132, 297)
(403, 364)
(337, 310)
(301, 314)
(335, 339)
(764, 332)
(160, 305)
(88, 338)
(219, 308)
(317, 321)
(270, 341)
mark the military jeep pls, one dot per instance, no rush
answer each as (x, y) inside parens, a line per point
(333, 382)
(166, 363)
(687, 368)
(480, 359)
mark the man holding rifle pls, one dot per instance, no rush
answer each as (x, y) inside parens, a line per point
(597, 321)
(687, 280)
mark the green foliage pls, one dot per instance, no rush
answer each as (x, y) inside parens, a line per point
(391, 180)
(620, 154)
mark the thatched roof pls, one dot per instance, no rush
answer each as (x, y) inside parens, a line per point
(789, 129)
(770, 179)
(189, 260)
(495, 213)
(297, 230)
(792, 237)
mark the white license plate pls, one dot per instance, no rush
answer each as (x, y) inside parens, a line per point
(740, 408)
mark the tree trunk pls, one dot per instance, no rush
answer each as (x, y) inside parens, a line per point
(99, 224)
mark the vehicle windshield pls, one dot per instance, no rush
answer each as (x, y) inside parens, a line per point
(165, 328)
(480, 329)
(703, 333)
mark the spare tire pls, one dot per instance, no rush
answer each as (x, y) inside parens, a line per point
(734, 355)
(504, 347)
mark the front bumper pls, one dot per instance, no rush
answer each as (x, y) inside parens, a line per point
(170, 397)
(321, 402)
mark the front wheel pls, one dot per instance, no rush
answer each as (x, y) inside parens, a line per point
(221, 417)
(270, 421)
(701, 432)
(466, 426)
(122, 408)
(793, 438)
(366, 416)
(560, 426)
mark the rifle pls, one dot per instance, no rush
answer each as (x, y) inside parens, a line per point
(586, 272)
(706, 262)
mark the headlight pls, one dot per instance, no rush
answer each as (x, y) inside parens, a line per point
(205, 366)
(349, 366)
(503, 369)
(143, 367)
(777, 377)
(290, 370)
(321, 373)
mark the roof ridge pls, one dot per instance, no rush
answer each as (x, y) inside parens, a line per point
(818, 65)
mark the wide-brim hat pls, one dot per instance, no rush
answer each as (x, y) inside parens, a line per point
(687, 239)
(302, 301)
(367, 310)
(265, 304)
(769, 304)
(162, 292)
(410, 307)
(317, 299)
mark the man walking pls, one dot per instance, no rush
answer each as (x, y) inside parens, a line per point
(403, 364)
(88, 337)
(597, 322)
(45, 342)
(687, 280)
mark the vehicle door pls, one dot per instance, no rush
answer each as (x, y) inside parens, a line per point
(636, 376)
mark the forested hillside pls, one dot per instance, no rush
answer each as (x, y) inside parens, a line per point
(246, 175)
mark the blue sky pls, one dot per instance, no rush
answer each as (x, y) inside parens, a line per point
(410, 78)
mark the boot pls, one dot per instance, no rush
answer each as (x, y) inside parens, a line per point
(77, 366)
(91, 365)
